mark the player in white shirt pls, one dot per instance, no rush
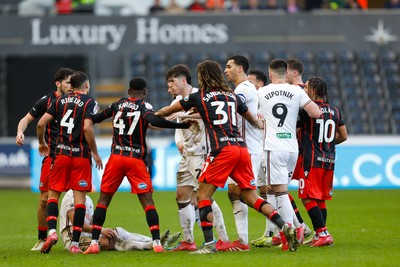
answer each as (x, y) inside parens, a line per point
(110, 239)
(236, 73)
(193, 146)
(280, 103)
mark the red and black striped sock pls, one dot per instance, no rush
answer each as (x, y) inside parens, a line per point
(153, 221)
(42, 232)
(315, 215)
(79, 220)
(99, 218)
(206, 225)
(52, 213)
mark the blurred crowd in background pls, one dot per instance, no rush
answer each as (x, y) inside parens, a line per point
(151, 7)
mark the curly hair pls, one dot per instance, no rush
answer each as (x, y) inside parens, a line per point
(320, 87)
(211, 77)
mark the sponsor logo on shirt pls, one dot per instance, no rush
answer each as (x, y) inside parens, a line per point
(284, 135)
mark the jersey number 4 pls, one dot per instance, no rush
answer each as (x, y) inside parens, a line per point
(68, 122)
(119, 123)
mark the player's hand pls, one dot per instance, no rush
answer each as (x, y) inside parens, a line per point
(180, 147)
(176, 115)
(108, 232)
(19, 139)
(98, 161)
(44, 150)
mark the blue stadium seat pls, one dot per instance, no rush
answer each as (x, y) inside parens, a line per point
(180, 58)
(373, 79)
(327, 56)
(348, 56)
(349, 68)
(307, 57)
(374, 92)
(328, 68)
(391, 67)
(160, 69)
(359, 128)
(351, 79)
(368, 56)
(221, 57)
(393, 79)
(283, 55)
(262, 59)
(389, 56)
(310, 70)
(138, 58)
(355, 104)
(158, 57)
(331, 79)
(358, 116)
(382, 128)
(370, 68)
(138, 70)
(199, 57)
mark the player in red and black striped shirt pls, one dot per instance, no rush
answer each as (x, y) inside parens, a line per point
(131, 117)
(62, 82)
(75, 147)
(319, 140)
(217, 105)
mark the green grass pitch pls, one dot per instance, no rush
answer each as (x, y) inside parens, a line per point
(363, 223)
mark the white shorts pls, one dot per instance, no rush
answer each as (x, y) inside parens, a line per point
(261, 178)
(255, 163)
(279, 166)
(189, 170)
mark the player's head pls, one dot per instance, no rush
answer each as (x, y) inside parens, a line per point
(257, 77)
(317, 89)
(236, 66)
(137, 88)
(80, 81)
(211, 77)
(178, 77)
(277, 69)
(62, 80)
(295, 69)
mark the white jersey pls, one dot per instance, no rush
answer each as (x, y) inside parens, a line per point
(67, 205)
(248, 94)
(194, 141)
(280, 105)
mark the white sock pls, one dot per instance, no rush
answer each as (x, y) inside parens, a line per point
(186, 219)
(51, 231)
(240, 212)
(219, 223)
(125, 235)
(285, 208)
(296, 222)
(270, 229)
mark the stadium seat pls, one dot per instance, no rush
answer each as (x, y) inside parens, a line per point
(393, 79)
(331, 79)
(373, 80)
(351, 80)
(358, 116)
(309, 70)
(355, 104)
(221, 58)
(307, 57)
(391, 67)
(138, 58)
(368, 56)
(359, 128)
(382, 127)
(158, 57)
(262, 59)
(180, 58)
(160, 69)
(199, 57)
(349, 68)
(138, 70)
(370, 68)
(328, 68)
(283, 55)
(327, 56)
(348, 56)
(333, 92)
(389, 56)
(374, 92)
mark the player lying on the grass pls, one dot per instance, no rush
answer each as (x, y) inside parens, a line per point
(111, 238)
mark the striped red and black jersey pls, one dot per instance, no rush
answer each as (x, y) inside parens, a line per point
(319, 136)
(218, 112)
(70, 111)
(129, 126)
(299, 133)
(51, 132)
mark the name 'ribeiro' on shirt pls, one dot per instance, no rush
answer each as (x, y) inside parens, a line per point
(278, 93)
(72, 100)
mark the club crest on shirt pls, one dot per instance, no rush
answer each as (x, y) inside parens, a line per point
(148, 105)
(253, 182)
(82, 183)
(142, 186)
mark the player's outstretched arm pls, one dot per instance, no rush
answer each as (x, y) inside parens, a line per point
(312, 110)
(22, 125)
(166, 111)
